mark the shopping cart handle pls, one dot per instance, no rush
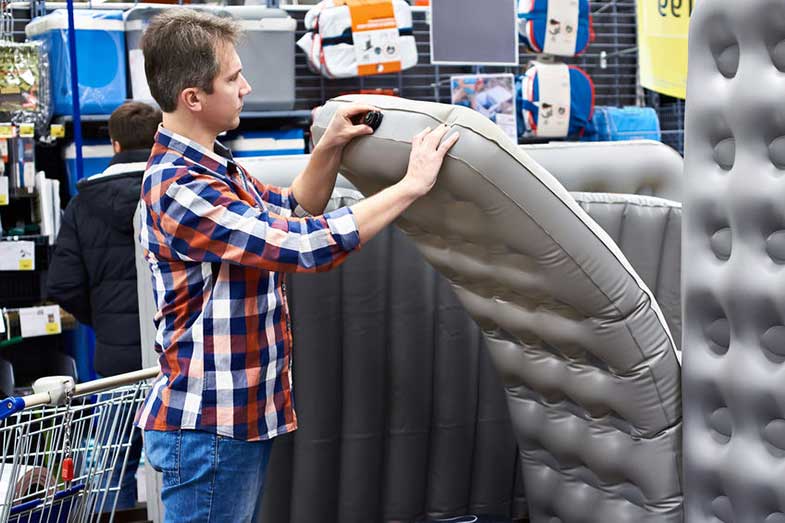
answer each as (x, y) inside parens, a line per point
(11, 405)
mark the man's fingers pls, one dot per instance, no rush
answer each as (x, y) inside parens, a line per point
(419, 136)
(361, 130)
(447, 144)
(435, 136)
(352, 110)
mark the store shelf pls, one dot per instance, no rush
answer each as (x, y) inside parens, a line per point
(297, 114)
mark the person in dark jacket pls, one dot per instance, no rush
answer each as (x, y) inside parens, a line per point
(93, 273)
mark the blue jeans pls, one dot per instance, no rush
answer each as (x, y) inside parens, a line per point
(207, 478)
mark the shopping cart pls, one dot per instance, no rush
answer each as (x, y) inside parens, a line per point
(62, 445)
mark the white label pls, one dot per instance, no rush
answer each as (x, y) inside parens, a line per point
(269, 24)
(17, 256)
(28, 174)
(553, 120)
(375, 47)
(562, 27)
(136, 25)
(139, 88)
(4, 196)
(2, 321)
(40, 321)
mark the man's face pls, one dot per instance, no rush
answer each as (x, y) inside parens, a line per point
(221, 109)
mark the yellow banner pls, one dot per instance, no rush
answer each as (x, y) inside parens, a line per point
(662, 45)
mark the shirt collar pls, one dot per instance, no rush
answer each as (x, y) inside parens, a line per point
(219, 160)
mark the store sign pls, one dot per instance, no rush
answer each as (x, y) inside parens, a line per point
(17, 256)
(663, 26)
(4, 194)
(40, 321)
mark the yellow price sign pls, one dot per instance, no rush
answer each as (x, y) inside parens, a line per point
(52, 328)
(6, 130)
(663, 26)
(26, 130)
(3, 199)
(57, 130)
(25, 265)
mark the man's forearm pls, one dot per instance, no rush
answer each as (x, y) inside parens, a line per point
(312, 187)
(377, 211)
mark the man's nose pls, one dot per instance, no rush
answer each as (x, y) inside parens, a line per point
(246, 87)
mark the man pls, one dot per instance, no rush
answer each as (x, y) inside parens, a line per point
(92, 274)
(217, 242)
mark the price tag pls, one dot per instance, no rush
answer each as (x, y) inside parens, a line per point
(40, 321)
(6, 130)
(17, 256)
(26, 130)
(57, 130)
(3, 190)
(2, 322)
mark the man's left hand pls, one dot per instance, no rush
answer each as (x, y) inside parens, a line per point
(342, 129)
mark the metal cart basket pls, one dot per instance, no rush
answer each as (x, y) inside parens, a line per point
(61, 445)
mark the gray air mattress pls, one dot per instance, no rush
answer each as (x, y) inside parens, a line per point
(588, 363)
(734, 245)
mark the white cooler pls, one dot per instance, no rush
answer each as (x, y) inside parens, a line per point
(266, 51)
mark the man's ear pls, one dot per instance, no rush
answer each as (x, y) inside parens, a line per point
(116, 147)
(190, 99)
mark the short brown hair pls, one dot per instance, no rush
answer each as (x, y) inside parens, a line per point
(179, 49)
(134, 125)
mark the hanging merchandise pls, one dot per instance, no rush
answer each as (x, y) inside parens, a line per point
(24, 84)
(100, 58)
(21, 164)
(556, 100)
(556, 27)
(348, 38)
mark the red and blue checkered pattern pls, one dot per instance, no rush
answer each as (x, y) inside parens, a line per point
(217, 242)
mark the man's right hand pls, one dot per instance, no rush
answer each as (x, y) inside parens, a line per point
(426, 159)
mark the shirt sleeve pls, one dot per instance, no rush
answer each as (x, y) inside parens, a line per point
(200, 218)
(281, 199)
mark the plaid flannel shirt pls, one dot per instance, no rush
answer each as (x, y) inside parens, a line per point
(217, 241)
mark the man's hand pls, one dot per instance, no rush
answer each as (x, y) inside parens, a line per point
(426, 159)
(341, 129)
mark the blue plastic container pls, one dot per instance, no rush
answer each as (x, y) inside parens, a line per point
(96, 157)
(267, 143)
(613, 124)
(100, 58)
